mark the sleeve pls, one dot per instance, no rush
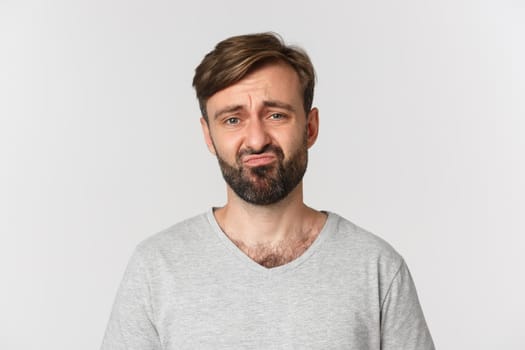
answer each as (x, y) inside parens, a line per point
(131, 325)
(403, 325)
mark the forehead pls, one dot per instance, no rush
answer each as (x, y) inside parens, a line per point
(273, 81)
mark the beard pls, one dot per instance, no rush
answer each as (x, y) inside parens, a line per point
(266, 184)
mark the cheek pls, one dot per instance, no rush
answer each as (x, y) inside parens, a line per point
(226, 147)
(295, 142)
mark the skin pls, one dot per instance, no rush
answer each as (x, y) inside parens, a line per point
(264, 108)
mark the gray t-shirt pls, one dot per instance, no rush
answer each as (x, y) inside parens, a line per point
(190, 287)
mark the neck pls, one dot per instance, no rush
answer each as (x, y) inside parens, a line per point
(268, 224)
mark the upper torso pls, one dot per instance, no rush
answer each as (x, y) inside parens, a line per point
(203, 292)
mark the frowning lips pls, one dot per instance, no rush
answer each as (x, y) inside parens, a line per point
(259, 159)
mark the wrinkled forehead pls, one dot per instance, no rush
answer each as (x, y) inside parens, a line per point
(276, 82)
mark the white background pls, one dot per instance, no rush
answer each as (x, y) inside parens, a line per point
(422, 136)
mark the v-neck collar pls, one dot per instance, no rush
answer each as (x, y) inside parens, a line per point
(253, 265)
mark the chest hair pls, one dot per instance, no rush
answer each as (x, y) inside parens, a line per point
(277, 254)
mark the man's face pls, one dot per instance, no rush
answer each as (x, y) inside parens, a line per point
(260, 133)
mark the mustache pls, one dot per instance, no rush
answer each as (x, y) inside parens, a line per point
(266, 149)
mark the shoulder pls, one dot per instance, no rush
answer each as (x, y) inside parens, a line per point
(362, 255)
(361, 245)
(177, 239)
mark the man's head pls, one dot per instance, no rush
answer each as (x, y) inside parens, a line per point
(234, 58)
(258, 122)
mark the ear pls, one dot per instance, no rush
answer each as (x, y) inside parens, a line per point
(207, 136)
(312, 126)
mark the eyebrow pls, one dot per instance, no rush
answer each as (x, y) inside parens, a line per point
(227, 109)
(267, 103)
(279, 104)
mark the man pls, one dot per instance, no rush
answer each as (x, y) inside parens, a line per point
(264, 271)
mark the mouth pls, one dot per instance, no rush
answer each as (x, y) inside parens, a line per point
(259, 159)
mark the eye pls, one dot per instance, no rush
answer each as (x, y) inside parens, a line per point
(232, 121)
(277, 116)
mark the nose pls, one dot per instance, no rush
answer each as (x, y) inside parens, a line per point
(257, 136)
